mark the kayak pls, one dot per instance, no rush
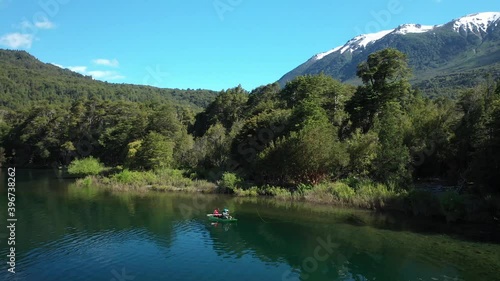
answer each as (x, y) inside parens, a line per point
(220, 219)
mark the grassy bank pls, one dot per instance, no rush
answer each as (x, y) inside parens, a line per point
(450, 205)
(158, 180)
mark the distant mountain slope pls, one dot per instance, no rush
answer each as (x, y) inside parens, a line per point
(458, 53)
(24, 79)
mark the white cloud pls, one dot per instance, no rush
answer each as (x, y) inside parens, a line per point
(58, 65)
(80, 69)
(32, 26)
(105, 75)
(106, 62)
(17, 40)
(96, 74)
(45, 24)
(24, 39)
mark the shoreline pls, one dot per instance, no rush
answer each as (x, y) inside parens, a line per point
(390, 218)
(447, 207)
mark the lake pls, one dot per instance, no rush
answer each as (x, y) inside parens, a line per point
(66, 232)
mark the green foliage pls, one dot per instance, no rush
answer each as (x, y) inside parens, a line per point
(212, 149)
(322, 91)
(384, 76)
(362, 150)
(164, 120)
(428, 131)
(251, 192)
(131, 158)
(452, 205)
(484, 124)
(156, 151)
(276, 191)
(308, 155)
(264, 99)
(321, 88)
(159, 180)
(375, 195)
(331, 192)
(2, 156)
(230, 182)
(85, 167)
(122, 123)
(4, 127)
(86, 182)
(257, 133)
(57, 133)
(228, 108)
(173, 178)
(303, 188)
(184, 145)
(443, 83)
(132, 177)
(384, 69)
(393, 158)
(342, 191)
(361, 193)
(476, 139)
(423, 203)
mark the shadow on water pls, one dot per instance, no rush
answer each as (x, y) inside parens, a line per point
(359, 249)
(389, 220)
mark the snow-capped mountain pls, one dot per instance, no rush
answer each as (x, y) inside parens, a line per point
(476, 22)
(362, 41)
(468, 42)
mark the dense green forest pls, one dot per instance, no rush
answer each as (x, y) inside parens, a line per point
(313, 130)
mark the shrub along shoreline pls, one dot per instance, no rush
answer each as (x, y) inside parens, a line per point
(449, 206)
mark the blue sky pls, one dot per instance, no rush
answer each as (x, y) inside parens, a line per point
(210, 44)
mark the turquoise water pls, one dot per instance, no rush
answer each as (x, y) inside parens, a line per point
(66, 232)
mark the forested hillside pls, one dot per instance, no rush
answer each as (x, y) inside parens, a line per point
(24, 80)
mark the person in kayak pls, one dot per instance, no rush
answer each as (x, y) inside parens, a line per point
(225, 214)
(216, 213)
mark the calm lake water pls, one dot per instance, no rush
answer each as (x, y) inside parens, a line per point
(70, 233)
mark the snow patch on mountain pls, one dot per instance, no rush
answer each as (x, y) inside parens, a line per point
(322, 55)
(362, 41)
(413, 28)
(357, 42)
(476, 22)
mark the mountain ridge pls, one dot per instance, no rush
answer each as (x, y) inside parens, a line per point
(484, 19)
(468, 43)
